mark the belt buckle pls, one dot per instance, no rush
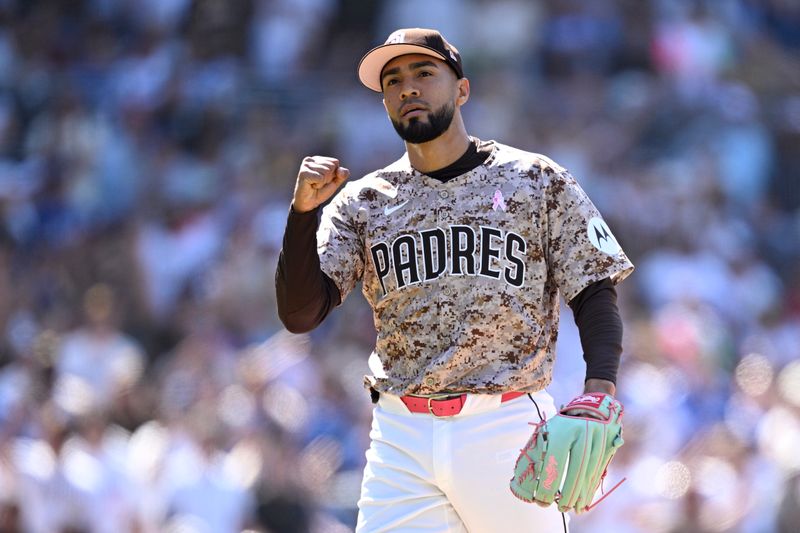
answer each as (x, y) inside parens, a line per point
(430, 406)
(442, 397)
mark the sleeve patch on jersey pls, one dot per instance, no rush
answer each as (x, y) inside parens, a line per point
(601, 237)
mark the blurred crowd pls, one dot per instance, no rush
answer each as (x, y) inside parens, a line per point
(148, 150)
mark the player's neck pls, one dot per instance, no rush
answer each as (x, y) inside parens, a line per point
(441, 151)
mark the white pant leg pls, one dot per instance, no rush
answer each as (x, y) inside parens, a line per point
(451, 474)
(485, 448)
(399, 491)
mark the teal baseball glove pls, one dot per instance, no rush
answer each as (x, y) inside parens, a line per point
(567, 456)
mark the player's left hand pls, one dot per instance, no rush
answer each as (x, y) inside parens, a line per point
(566, 458)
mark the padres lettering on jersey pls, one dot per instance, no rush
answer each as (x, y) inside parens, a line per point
(458, 250)
(464, 277)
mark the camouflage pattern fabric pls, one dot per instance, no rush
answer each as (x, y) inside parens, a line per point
(464, 277)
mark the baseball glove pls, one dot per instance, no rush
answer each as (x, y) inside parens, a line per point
(567, 456)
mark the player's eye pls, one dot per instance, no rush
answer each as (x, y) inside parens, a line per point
(424, 74)
(390, 81)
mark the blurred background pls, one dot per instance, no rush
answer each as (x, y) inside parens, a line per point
(148, 151)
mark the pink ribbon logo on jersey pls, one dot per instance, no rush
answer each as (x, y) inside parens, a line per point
(498, 201)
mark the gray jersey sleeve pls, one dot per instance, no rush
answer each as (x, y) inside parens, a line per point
(340, 243)
(581, 247)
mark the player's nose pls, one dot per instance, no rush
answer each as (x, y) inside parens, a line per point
(409, 89)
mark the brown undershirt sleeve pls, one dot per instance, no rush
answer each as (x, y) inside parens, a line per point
(305, 294)
(600, 327)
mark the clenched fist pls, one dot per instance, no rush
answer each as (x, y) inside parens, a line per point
(317, 180)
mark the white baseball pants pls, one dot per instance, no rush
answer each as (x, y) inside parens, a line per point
(451, 474)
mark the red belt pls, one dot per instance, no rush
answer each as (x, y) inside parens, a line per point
(445, 406)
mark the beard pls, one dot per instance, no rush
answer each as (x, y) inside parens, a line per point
(418, 132)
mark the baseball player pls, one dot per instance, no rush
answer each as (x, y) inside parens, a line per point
(463, 248)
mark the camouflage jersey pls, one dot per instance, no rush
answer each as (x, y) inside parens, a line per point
(464, 277)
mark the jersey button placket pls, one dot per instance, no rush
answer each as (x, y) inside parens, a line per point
(444, 219)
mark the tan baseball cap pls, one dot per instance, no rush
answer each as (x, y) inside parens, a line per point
(403, 42)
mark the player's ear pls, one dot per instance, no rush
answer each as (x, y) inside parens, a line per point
(463, 91)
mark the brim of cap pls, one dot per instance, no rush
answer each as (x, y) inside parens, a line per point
(371, 65)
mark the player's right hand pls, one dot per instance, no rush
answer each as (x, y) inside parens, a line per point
(318, 179)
